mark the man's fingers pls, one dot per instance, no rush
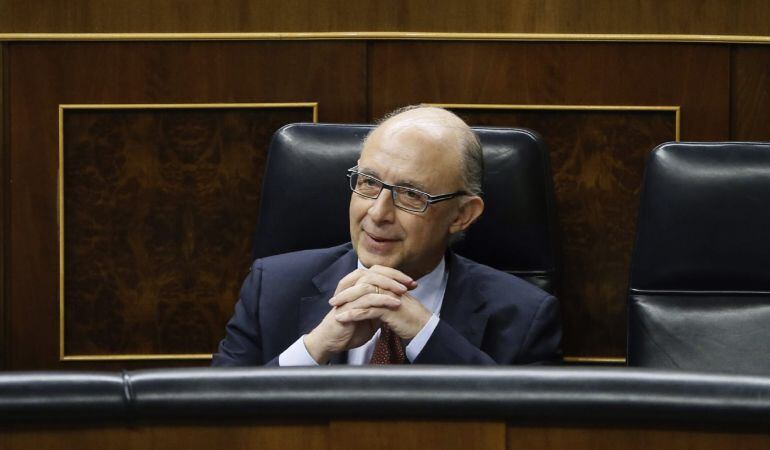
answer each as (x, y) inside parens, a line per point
(383, 277)
(395, 275)
(383, 282)
(349, 280)
(357, 315)
(373, 301)
(369, 283)
(377, 279)
(354, 293)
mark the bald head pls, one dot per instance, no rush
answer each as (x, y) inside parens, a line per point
(441, 128)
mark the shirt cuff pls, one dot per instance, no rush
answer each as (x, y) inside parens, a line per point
(418, 342)
(296, 355)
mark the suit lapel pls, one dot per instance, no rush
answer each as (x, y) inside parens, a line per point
(312, 309)
(463, 306)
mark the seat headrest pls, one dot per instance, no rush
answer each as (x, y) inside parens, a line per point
(305, 196)
(704, 219)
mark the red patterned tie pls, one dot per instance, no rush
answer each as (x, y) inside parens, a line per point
(388, 349)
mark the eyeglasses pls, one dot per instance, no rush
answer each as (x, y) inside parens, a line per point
(406, 198)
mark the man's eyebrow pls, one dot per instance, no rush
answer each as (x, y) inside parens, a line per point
(412, 184)
(366, 171)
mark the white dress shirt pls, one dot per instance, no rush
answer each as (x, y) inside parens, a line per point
(429, 291)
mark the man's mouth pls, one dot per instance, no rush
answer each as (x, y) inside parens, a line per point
(380, 239)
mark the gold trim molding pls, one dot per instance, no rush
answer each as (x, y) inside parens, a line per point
(389, 35)
(608, 360)
(677, 110)
(60, 202)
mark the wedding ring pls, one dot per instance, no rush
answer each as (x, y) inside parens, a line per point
(376, 289)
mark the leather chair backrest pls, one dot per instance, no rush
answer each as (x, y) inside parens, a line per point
(67, 407)
(63, 394)
(699, 294)
(305, 197)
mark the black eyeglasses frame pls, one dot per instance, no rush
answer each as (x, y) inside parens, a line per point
(430, 199)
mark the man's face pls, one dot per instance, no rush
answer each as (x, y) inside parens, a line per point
(385, 235)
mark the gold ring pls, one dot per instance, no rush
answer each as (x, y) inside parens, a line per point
(377, 289)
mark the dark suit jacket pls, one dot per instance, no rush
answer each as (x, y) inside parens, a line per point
(487, 317)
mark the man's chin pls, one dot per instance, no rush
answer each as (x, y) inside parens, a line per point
(369, 259)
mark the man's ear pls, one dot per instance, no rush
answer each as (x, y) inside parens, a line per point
(470, 209)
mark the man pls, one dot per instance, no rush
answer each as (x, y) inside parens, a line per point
(395, 293)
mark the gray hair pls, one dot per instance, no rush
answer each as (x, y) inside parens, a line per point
(473, 162)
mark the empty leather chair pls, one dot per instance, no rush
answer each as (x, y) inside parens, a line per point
(699, 294)
(305, 198)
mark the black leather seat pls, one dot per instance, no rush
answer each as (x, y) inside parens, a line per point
(225, 396)
(305, 197)
(699, 295)
(67, 395)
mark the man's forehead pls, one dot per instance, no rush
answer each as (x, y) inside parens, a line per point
(412, 135)
(407, 149)
(415, 142)
(430, 124)
(422, 127)
(409, 166)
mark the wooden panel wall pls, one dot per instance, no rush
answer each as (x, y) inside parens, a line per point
(597, 158)
(722, 91)
(46, 75)
(695, 77)
(597, 208)
(381, 435)
(743, 17)
(750, 87)
(157, 222)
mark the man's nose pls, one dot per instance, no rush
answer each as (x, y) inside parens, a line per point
(382, 208)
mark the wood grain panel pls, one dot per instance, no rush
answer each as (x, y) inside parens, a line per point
(255, 436)
(558, 74)
(597, 157)
(417, 435)
(601, 438)
(747, 17)
(43, 76)
(750, 81)
(575, 74)
(155, 228)
(422, 435)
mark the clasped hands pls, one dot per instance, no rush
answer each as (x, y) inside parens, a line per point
(363, 300)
